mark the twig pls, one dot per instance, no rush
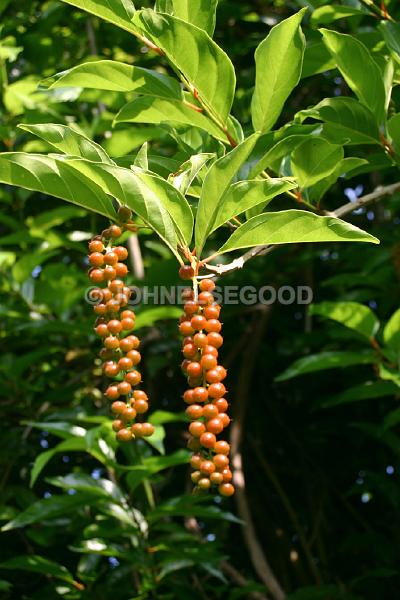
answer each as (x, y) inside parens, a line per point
(193, 526)
(238, 263)
(259, 560)
(379, 193)
(135, 256)
(290, 511)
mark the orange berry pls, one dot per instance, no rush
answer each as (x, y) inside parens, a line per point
(226, 489)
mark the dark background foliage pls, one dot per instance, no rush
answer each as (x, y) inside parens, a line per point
(321, 468)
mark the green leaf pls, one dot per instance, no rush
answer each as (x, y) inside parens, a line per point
(293, 226)
(359, 69)
(391, 35)
(364, 391)
(48, 508)
(327, 360)
(55, 177)
(118, 12)
(389, 374)
(184, 506)
(141, 158)
(203, 64)
(69, 445)
(277, 151)
(148, 317)
(393, 128)
(279, 60)
(198, 12)
(159, 110)
(68, 141)
(243, 195)
(38, 564)
(152, 198)
(391, 333)
(344, 168)
(346, 121)
(314, 159)
(317, 59)
(115, 76)
(216, 183)
(61, 429)
(327, 14)
(157, 439)
(85, 483)
(353, 315)
(182, 179)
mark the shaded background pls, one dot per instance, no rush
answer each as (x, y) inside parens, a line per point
(321, 464)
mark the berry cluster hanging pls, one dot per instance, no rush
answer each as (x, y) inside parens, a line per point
(207, 407)
(120, 353)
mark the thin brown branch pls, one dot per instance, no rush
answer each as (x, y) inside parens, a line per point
(238, 263)
(258, 558)
(379, 193)
(135, 255)
(290, 511)
(193, 526)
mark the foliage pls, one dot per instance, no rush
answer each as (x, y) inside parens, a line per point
(217, 149)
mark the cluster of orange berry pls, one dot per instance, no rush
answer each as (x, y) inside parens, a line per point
(120, 353)
(207, 406)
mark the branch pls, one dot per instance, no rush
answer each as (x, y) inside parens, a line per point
(239, 263)
(379, 193)
(258, 558)
(135, 256)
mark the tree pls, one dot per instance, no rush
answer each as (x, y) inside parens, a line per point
(145, 136)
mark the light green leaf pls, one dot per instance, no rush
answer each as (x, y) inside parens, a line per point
(38, 564)
(55, 177)
(159, 110)
(359, 69)
(317, 59)
(391, 35)
(141, 158)
(243, 195)
(216, 182)
(344, 167)
(188, 171)
(115, 76)
(327, 360)
(279, 60)
(68, 141)
(118, 12)
(198, 12)
(353, 315)
(293, 226)
(391, 333)
(49, 508)
(314, 159)
(393, 128)
(157, 439)
(346, 121)
(364, 391)
(389, 374)
(327, 14)
(204, 65)
(155, 201)
(148, 317)
(277, 151)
